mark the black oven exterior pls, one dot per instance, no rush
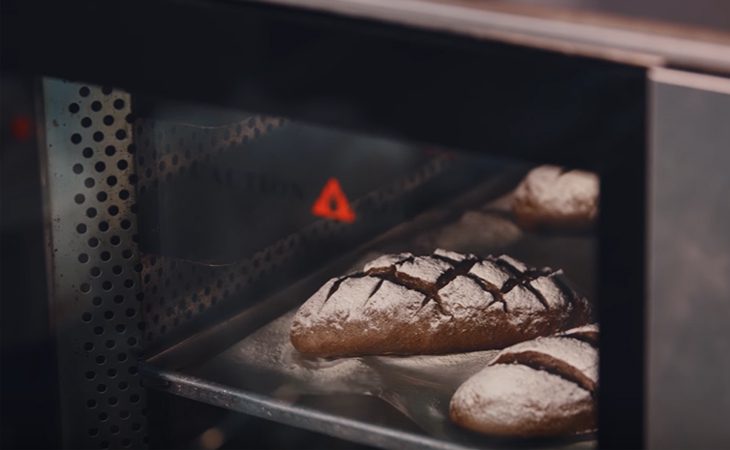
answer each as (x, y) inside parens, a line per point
(408, 83)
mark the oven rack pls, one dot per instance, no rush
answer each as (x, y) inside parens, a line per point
(258, 405)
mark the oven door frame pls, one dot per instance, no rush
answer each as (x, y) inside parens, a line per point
(399, 82)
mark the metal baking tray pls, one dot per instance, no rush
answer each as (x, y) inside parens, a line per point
(247, 364)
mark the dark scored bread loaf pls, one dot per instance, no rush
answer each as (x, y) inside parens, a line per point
(441, 303)
(543, 387)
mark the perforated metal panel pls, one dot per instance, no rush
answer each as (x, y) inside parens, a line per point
(96, 296)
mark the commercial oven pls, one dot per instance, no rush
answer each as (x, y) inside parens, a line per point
(179, 177)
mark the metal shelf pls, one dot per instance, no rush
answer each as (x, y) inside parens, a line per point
(221, 382)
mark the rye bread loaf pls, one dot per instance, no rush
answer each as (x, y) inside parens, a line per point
(554, 198)
(544, 387)
(445, 302)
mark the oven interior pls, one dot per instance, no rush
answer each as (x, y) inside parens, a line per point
(231, 244)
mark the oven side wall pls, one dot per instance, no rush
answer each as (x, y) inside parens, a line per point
(28, 383)
(688, 340)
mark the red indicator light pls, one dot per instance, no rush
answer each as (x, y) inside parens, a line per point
(20, 128)
(332, 203)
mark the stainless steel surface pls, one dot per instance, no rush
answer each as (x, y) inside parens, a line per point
(95, 291)
(247, 364)
(689, 262)
(712, 14)
(631, 43)
(333, 424)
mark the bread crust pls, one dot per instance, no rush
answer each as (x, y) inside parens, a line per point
(541, 388)
(436, 304)
(552, 198)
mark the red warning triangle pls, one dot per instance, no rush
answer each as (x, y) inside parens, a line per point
(332, 203)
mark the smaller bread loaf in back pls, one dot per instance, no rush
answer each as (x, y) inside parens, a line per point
(445, 302)
(555, 198)
(544, 387)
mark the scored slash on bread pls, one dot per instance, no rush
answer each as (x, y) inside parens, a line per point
(440, 303)
(542, 387)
